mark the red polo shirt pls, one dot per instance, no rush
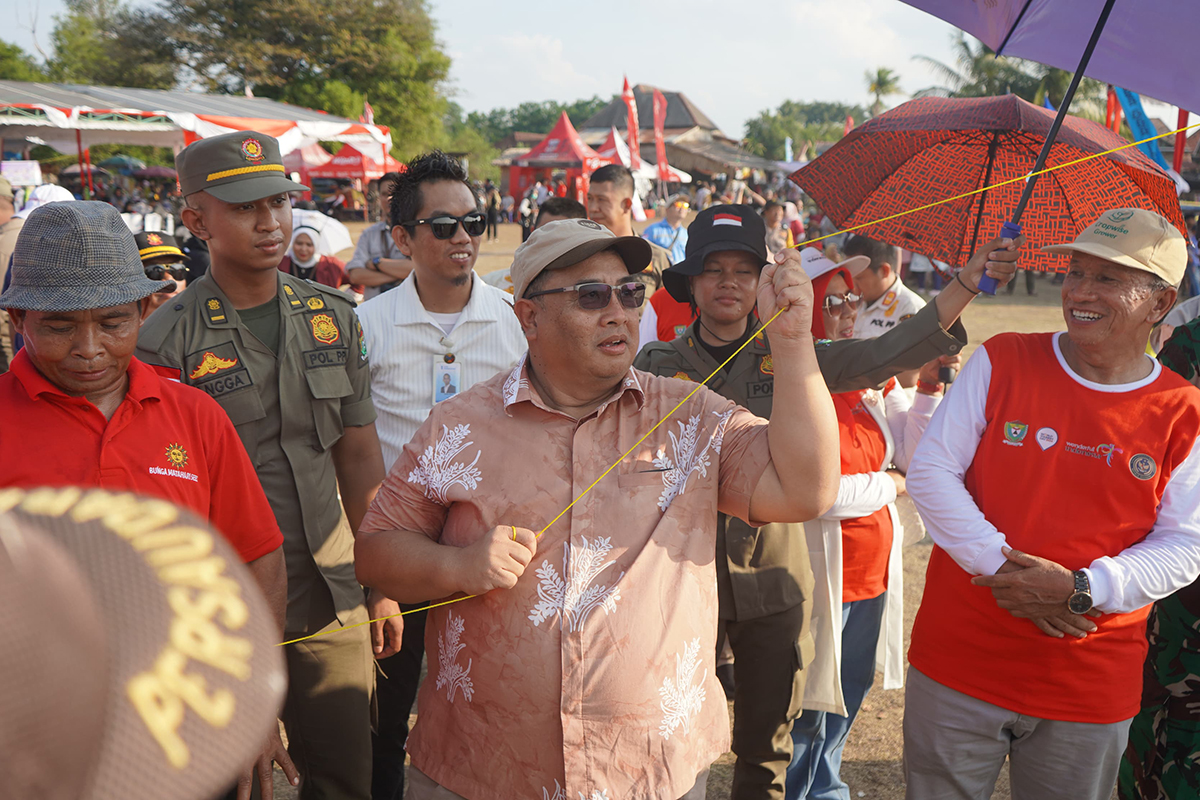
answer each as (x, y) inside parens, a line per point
(165, 440)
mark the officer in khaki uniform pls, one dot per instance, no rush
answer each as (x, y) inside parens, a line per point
(287, 361)
(764, 580)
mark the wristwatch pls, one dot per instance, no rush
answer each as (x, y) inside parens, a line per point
(375, 262)
(1081, 601)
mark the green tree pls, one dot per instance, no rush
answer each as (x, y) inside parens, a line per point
(108, 43)
(979, 72)
(461, 137)
(383, 50)
(881, 83)
(804, 123)
(532, 117)
(17, 65)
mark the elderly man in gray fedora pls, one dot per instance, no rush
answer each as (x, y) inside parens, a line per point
(77, 409)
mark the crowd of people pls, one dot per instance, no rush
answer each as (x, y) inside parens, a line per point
(519, 476)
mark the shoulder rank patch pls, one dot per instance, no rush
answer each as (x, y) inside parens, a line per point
(766, 366)
(683, 376)
(822, 344)
(211, 364)
(291, 297)
(215, 309)
(362, 340)
(324, 329)
(315, 303)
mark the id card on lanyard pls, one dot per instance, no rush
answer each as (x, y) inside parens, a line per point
(446, 381)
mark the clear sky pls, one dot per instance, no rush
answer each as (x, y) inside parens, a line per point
(732, 58)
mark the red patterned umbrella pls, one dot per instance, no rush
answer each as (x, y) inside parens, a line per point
(934, 148)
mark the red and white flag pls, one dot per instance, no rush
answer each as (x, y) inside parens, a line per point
(368, 115)
(660, 146)
(631, 125)
(727, 219)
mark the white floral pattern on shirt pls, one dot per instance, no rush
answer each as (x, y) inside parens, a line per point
(514, 383)
(559, 794)
(451, 675)
(681, 697)
(437, 470)
(687, 459)
(571, 594)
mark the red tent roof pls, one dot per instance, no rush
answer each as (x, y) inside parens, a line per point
(562, 147)
(303, 159)
(349, 163)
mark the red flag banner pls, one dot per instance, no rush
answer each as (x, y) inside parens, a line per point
(1112, 113)
(660, 147)
(631, 125)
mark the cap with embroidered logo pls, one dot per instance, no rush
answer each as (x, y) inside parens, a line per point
(235, 167)
(155, 245)
(1134, 238)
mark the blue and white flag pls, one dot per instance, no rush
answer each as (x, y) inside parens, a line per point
(1141, 125)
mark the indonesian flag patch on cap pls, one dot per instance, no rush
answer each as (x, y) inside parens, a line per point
(727, 219)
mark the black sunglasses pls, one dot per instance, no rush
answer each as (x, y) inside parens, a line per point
(595, 296)
(445, 226)
(156, 272)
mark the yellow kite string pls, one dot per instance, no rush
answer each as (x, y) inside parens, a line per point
(733, 356)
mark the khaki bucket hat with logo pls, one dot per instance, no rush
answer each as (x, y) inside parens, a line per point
(566, 242)
(1134, 238)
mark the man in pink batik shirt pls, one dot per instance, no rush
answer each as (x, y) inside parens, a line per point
(591, 675)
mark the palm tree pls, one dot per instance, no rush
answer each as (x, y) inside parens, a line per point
(881, 83)
(978, 72)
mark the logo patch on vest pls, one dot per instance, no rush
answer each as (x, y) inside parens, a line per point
(1103, 452)
(324, 329)
(1143, 467)
(315, 303)
(1014, 433)
(766, 366)
(1047, 438)
(211, 364)
(683, 376)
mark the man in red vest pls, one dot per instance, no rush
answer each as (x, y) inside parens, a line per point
(1058, 483)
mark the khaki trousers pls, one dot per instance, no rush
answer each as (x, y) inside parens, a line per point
(422, 787)
(327, 714)
(955, 745)
(769, 658)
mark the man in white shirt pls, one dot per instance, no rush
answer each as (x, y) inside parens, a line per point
(377, 264)
(1060, 474)
(886, 300)
(443, 322)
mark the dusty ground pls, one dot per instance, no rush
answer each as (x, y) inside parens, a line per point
(872, 761)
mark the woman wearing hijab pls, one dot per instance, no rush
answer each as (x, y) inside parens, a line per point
(858, 606)
(304, 260)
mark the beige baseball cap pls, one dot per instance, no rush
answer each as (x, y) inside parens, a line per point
(1135, 238)
(566, 242)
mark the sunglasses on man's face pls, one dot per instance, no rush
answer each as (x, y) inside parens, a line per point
(445, 226)
(595, 296)
(840, 305)
(156, 272)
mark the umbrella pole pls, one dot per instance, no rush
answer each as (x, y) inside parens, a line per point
(987, 181)
(1012, 228)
